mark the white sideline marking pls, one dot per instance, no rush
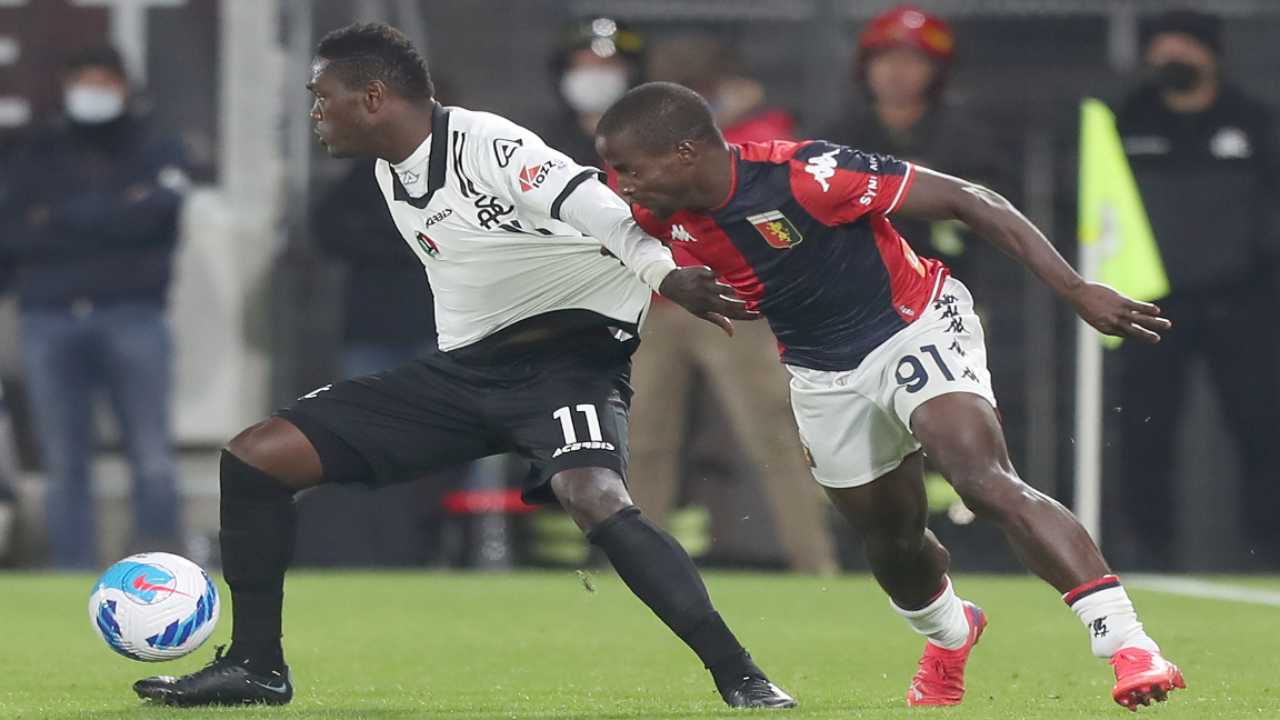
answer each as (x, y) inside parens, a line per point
(1191, 587)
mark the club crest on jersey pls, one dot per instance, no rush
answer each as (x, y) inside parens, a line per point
(428, 245)
(776, 229)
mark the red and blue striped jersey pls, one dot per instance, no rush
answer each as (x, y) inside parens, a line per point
(804, 237)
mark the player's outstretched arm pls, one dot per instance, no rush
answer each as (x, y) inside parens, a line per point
(935, 196)
(595, 210)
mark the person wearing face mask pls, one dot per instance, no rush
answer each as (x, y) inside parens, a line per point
(1203, 159)
(597, 60)
(91, 230)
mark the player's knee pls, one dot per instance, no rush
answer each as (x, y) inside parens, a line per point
(275, 448)
(590, 495)
(241, 480)
(245, 445)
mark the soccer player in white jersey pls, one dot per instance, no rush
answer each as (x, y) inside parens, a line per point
(536, 327)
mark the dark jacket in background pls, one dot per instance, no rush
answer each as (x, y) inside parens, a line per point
(388, 298)
(1209, 183)
(91, 213)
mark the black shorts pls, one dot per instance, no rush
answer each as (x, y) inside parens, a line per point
(561, 403)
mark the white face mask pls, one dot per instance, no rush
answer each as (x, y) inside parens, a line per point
(93, 104)
(594, 88)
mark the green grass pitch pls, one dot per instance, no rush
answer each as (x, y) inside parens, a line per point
(540, 645)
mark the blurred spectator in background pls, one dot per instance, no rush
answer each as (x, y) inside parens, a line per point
(900, 106)
(596, 61)
(742, 373)
(707, 64)
(387, 315)
(8, 480)
(1202, 153)
(91, 230)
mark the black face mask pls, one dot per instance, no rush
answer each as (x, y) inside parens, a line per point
(1177, 76)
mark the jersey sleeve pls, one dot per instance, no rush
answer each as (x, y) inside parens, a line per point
(542, 182)
(839, 185)
(517, 166)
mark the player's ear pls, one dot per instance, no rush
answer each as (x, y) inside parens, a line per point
(687, 151)
(375, 95)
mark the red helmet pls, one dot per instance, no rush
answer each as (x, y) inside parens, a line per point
(908, 26)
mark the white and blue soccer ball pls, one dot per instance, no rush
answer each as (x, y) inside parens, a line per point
(154, 606)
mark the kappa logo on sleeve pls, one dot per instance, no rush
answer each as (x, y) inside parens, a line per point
(679, 233)
(823, 168)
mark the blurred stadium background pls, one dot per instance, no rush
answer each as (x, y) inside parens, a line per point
(257, 308)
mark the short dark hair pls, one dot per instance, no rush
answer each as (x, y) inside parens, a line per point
(362, 52)
(101, 56)
(660, 115)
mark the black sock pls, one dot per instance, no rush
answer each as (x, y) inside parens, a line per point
(258, 524)
(662, 575)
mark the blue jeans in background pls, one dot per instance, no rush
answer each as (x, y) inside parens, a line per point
(71, 355)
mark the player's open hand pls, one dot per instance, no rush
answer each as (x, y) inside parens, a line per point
(697, 290)
(1114, 314)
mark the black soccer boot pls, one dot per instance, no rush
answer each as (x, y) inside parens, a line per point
(224, 681)
(755, 691)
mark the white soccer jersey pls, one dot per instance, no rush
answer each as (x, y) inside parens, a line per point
(509, 228)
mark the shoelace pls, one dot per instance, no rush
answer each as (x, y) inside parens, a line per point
(936, 666)
(1132, 662)
(220, 660)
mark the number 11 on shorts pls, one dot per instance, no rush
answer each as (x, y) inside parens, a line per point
(565, 417)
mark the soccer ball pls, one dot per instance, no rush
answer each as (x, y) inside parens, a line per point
(154, 606)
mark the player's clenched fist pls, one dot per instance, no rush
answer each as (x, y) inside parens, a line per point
(697, 290)
(1114, 314)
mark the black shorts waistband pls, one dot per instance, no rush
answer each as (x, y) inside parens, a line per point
(546, 335)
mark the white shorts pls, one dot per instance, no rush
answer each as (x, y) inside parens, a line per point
(856, 424)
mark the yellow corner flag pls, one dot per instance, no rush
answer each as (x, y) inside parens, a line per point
(1117, 246)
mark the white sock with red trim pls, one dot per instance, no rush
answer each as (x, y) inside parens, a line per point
(1106, 611)
(942, 620)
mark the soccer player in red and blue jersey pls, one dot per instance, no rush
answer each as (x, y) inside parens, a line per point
(886, 356)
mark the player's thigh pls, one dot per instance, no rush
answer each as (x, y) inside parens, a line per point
(396, 425)
(572, 413)
(893, 505)
(961, 433)
(848, 438)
